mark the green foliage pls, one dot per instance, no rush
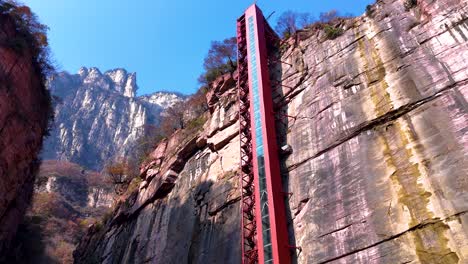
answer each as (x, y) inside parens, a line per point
(196, 123)
(409, 4)
(134, 185)
(98, 226)
(369, 11)
(332, 32)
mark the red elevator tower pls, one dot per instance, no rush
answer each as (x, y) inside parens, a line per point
(264, 225)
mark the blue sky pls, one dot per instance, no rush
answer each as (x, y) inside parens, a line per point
(164, 41)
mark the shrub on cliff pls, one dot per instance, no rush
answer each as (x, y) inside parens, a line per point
(370, 11)
(409, 4)
(187, 114)
(63, 252)
(332, 32)
(121, 174)
(31, 34)
(289, 23)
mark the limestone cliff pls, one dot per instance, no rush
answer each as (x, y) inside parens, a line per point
(80, 188)
(187, 200)
(67, 199)
(24, 115)
(376, 119)
(98, 117)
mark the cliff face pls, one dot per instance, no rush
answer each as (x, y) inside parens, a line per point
(98, 116)
(24, 116)
(79, 187)
(376, 120)
(186, 207)
(67, 199)
(379, 137)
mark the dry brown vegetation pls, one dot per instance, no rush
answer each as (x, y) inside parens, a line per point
(289, 23)
(54, 223)
(120, 174)
(31, 35)
(221, 59)
(186, 114)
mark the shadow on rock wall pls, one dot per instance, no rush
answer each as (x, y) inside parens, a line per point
(178, 228)
(282, 128)
(28, 245)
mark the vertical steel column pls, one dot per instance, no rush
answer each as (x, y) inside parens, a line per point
(249, 232)
(262, 194)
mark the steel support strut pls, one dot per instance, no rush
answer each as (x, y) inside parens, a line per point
(264, 225)
(248, 221)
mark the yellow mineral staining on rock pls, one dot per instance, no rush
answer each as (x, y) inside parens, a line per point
(375, 72)
(399, 149)
(431, 244)
(404, 160)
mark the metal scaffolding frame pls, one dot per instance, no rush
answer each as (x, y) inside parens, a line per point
(264, 226)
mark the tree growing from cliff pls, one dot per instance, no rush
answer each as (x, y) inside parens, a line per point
(197, 102)
(32, 34)
(327, 17)
(30, 38)
(289, 22)
(120, 174)
(174, 117)
(221, 59)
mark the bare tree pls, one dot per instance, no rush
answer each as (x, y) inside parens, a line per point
(175, 115)
(328, 16)
(197, 101)
(121, 173)
(221, 59)
(289, 22)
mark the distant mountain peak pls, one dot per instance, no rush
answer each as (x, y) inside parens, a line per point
(163, 99)
(99, 116)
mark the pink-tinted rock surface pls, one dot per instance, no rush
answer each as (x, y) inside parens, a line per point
(24, 115)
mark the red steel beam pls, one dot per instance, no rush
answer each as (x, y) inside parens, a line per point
(248, 222)
(271, 243)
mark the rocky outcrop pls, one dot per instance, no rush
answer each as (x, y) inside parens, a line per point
(67, 199)
(376, 121)
(98, 116)
(187, 200)
(79, 187)
(100, 197)
(24, 116)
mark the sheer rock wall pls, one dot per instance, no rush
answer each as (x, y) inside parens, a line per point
(24, 116)
(376, 119)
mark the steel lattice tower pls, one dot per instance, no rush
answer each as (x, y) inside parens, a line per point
(264, 226)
